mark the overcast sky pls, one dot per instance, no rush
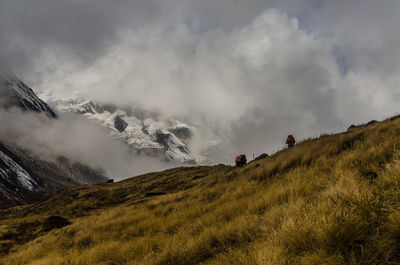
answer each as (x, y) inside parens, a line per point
(250, 72)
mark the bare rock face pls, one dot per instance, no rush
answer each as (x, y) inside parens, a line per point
(170, 141)
(182, 132)
(120, 124)
(14, 92)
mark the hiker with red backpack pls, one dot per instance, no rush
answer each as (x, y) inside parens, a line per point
(290, 141)
(240, 160)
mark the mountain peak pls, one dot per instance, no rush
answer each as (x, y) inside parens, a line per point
(14, 92)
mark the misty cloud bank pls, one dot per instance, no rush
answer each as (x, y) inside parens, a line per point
(75, 138)
(247, 73)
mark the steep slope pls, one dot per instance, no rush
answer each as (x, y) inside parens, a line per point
(16, 183)
(14, 92)
(332, 200)
(25, 177)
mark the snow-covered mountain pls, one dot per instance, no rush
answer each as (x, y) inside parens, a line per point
(144, 131)
(13, 174)
(14, 92)
(25, 177)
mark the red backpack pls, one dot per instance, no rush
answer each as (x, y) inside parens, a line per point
(290, 139)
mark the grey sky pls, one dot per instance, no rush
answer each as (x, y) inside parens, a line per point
(250, 71)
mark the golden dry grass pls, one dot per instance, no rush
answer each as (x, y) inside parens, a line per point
(332, 200)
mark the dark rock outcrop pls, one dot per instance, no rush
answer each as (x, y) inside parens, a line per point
(264, 155)
(351, 127)
(362, 125)
(54, 222)
(395, 118)
(169, 141)
(173, 146)
(120, 124)
(182, 132)
(163, 138)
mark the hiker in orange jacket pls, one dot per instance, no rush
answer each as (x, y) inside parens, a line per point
(240, 160)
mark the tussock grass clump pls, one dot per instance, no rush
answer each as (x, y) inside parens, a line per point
(332, 200)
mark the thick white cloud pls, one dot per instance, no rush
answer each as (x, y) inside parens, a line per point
(247, 72)
(250, 84)
(75, 138)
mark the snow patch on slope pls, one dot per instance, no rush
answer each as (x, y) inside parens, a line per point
(23, 177)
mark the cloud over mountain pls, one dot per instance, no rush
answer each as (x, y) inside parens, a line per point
(248, 72)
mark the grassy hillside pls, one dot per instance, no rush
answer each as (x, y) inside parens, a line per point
(332, 200)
